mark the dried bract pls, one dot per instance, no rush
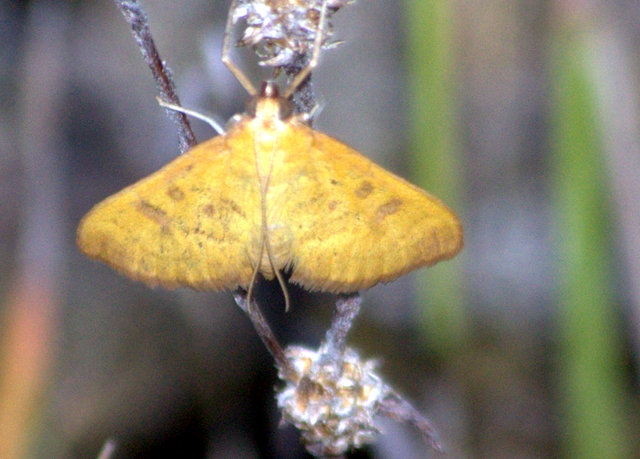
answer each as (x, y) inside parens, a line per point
(332, 401)
(282, 30)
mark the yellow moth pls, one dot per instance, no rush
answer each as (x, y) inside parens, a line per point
(270, 194)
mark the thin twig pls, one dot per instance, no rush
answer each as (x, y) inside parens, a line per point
(347, 308)
(303, 99)
(137, 19)
(395, 407)
(264, 331)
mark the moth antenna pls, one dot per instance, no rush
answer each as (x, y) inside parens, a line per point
(201, 116)
(254, 276)
(317, 45)
(283, 285)
(265, 243)
(226, 60)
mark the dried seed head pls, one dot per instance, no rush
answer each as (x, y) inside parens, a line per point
(282, 30)
(332, 402)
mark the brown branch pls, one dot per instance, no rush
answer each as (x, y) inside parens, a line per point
(264, 331)
(347, 308)
(397, 408)
(137, 19)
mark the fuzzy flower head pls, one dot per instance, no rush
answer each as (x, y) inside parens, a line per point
(332, 403)
(282, 30)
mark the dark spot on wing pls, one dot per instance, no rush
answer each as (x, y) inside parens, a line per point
(333, 205)
(365, 189)
(388, 208)
(175, 193)
(198, 230)
(156, 214)
(234, 207)
(209, 210)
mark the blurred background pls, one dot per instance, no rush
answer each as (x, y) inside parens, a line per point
(523, 116)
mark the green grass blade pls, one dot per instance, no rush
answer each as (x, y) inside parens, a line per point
(591, 380)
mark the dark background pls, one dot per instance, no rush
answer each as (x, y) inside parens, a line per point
(522, 116)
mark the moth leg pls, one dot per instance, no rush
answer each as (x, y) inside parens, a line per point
(226, 47)
(317, 45)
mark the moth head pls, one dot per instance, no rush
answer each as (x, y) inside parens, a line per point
(268, 103)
